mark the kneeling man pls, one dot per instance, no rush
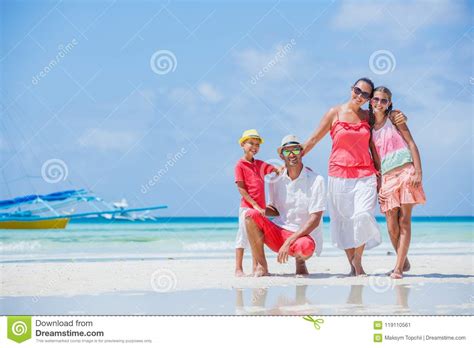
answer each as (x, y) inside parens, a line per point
(297, 199)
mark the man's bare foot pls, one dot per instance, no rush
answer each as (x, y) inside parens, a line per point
(260, 271)
(301, 269)
(239, 273)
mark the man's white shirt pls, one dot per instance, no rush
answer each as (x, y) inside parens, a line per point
(296, 199)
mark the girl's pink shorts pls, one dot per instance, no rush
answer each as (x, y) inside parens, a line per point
(397, 190)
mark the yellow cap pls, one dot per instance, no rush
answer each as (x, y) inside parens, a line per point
(250, 133)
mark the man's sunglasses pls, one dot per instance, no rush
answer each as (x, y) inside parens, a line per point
(382, 101)
(360, 92)
(286, 152)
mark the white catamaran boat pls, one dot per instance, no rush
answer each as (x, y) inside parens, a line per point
(47, 211)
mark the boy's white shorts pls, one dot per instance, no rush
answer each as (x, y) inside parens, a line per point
(241, 240)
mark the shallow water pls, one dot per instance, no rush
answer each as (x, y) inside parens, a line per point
(388, 299)
(200, 238)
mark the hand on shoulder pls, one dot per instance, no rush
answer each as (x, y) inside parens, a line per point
(397, 117)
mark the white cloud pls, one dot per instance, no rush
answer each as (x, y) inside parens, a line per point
(108, 140)
(397, 19)
(209, 92)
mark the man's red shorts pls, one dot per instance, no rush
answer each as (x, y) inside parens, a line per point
(275, 236)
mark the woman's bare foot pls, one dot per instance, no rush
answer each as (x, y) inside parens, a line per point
(260, 271)
(239, 273)
(352, 273)
(359, 270)
(396, 275)
(301, 269)
(407, 265)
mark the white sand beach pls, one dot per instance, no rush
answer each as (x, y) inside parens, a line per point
(81, 278)
(71, 279)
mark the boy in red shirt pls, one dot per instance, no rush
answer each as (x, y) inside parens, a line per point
(249, 177)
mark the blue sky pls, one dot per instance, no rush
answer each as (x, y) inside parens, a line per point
(78, 85)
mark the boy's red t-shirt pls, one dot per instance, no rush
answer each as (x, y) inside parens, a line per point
(252, 175)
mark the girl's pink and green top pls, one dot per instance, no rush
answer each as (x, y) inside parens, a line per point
(391, 147)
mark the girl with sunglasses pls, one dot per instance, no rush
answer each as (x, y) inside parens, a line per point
(352, 184)
(401, 172)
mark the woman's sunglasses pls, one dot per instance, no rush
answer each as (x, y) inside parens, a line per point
(382, 101)
(360, 92)
(286, 153)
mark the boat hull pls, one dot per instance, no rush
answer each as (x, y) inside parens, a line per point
(59, 223)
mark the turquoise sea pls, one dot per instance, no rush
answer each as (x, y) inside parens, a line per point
(193, 238)
(96, 240)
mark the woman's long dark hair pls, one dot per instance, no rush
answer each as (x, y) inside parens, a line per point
(385, 90)
(369, 82)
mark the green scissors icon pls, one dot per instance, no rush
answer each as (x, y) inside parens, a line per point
(316, 322)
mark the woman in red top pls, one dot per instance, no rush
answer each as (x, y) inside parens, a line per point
(352, 184)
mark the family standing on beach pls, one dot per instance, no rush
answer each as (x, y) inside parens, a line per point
(373, 157)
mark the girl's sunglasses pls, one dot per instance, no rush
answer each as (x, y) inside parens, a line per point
(286, 153)
(382, 101)
(360, 92)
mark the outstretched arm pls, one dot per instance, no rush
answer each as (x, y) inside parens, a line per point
(415, 154)
(323, 128)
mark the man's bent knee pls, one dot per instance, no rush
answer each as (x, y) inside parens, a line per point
(251, 214)
(304, 248)
(253, 218)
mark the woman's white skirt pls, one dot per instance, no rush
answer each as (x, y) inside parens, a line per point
(352, 205)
